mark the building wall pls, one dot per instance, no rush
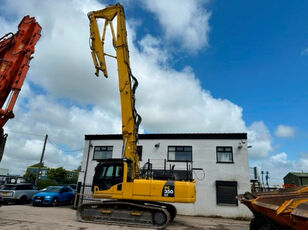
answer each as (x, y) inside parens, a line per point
(297, 180)
(4, 172)
(204, 156)
(43, 174)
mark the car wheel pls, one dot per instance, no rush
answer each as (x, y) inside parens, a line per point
(54, 202)
(23, 200)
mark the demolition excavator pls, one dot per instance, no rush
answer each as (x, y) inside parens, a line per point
(15, 55)
(130, 196)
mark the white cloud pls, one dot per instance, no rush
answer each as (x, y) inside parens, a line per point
(279, 165)
(77, 103)
(184, 22)
(280, 158)
(65, 126)
(260, 139)
(304, 52)
(285, 131)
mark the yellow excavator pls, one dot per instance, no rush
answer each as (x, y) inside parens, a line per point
(130, 196)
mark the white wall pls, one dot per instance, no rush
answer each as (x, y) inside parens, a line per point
(204, 156)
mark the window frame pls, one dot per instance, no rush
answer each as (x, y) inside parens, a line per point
(102, 146)
(230, 184)
(224, 162)
(180, 146)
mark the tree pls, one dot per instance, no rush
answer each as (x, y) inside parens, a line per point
(37, 165)
(58, 175)
(29, 177)
(45, 183)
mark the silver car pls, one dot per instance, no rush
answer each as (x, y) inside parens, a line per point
(17, 193)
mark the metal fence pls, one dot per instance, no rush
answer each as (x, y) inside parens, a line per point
(84, 194)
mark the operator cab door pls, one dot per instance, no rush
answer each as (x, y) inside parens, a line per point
(109, 177)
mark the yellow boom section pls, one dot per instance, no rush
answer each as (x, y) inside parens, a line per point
(130, 118)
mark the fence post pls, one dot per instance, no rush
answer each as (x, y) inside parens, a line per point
(78, 189)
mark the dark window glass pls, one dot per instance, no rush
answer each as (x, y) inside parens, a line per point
(139, 151)
(28, 187)
(21, 187)
(102, 152)
(65, 189)
(226, 192)
(180, 153)
(224, 154)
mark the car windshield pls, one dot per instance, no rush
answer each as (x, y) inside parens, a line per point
(52, 189)
(9, 187)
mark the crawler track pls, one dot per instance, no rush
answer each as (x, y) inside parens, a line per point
(128, 213)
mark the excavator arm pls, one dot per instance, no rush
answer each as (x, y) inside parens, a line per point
(15, 55)
(127, 82)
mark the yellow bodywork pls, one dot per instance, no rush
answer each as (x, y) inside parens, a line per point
(150, 190)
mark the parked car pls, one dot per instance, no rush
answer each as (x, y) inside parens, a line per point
(73, 186)
(53, 195)
(17, 193)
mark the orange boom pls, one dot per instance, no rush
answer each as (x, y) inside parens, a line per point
(15, 55)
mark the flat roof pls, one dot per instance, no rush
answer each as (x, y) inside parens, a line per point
(150, 136)
(298, 174)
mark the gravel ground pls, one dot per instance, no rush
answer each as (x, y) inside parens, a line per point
(26, 217)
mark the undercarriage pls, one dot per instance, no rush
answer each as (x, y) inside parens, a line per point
(128, 213)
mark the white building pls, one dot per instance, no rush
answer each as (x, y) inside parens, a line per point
(223, 157)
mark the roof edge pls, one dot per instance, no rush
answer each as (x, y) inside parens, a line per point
(170, 136)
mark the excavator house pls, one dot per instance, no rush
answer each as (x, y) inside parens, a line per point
(131, 196)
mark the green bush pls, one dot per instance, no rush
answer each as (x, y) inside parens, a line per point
(45, 183)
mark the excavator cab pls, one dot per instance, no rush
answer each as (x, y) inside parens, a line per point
(110, 172)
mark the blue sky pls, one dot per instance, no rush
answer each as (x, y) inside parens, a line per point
(214, 66)
(256, 59)
(256, 51)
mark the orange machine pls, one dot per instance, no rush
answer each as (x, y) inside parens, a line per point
(284, 209)
(15, 55)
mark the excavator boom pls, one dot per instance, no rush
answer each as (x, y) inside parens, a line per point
(15, 55)
(127, 82)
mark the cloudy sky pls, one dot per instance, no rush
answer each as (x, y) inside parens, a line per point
(202, 65)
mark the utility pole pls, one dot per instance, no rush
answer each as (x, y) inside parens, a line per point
(41, 161)
(262, 173)
(266, 178)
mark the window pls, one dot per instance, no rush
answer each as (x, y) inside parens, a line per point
(180, 153)
(139, 151)
(108, 175)
(226, 191)
(65, 189)
(102, 152)
(224, 154)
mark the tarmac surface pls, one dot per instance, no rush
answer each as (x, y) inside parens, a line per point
(26, 217)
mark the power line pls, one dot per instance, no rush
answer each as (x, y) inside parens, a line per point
(42, 135)
(66, 151)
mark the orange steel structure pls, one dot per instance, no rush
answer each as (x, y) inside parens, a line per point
(284, 209)
(15, 55)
